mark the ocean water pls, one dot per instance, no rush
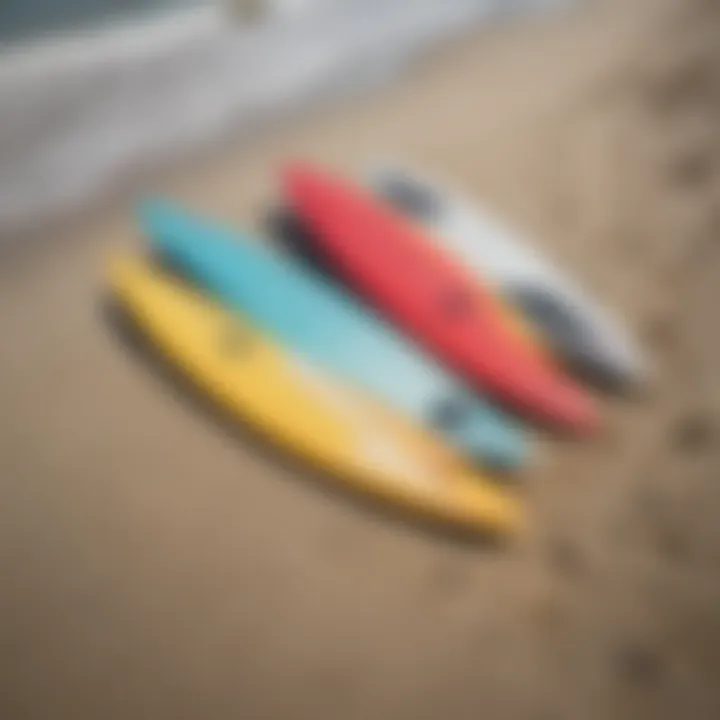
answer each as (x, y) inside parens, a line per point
(28, 19)
(79, 113)
(22, 20)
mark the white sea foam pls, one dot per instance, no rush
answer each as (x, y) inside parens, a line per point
(77, 113)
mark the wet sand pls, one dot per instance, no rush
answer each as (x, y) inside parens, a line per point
(153, 566)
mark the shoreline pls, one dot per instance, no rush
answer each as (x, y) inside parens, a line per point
(143, 92)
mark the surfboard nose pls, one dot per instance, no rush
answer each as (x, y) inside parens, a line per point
(488, 506)
(574, 410)
(500, 443)
(504, 451)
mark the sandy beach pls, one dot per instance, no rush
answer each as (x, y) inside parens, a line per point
(153, 566)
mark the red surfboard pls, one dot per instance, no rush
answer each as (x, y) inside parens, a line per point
(432, 297)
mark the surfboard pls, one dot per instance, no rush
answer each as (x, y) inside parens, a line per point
(306, 412)
(577, 328)
(433, 298)
(289, 232)
(312, 317)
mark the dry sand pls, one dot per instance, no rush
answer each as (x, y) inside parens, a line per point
(152, 566)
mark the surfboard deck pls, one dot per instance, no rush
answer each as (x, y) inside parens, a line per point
(317, 320)
(432, 298)
(577, 328)
(305, 412)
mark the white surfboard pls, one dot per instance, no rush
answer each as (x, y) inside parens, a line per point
(578, 330)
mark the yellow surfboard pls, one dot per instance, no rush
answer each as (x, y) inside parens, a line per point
(327, 422)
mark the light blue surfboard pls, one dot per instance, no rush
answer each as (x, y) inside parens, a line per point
(318, 320)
